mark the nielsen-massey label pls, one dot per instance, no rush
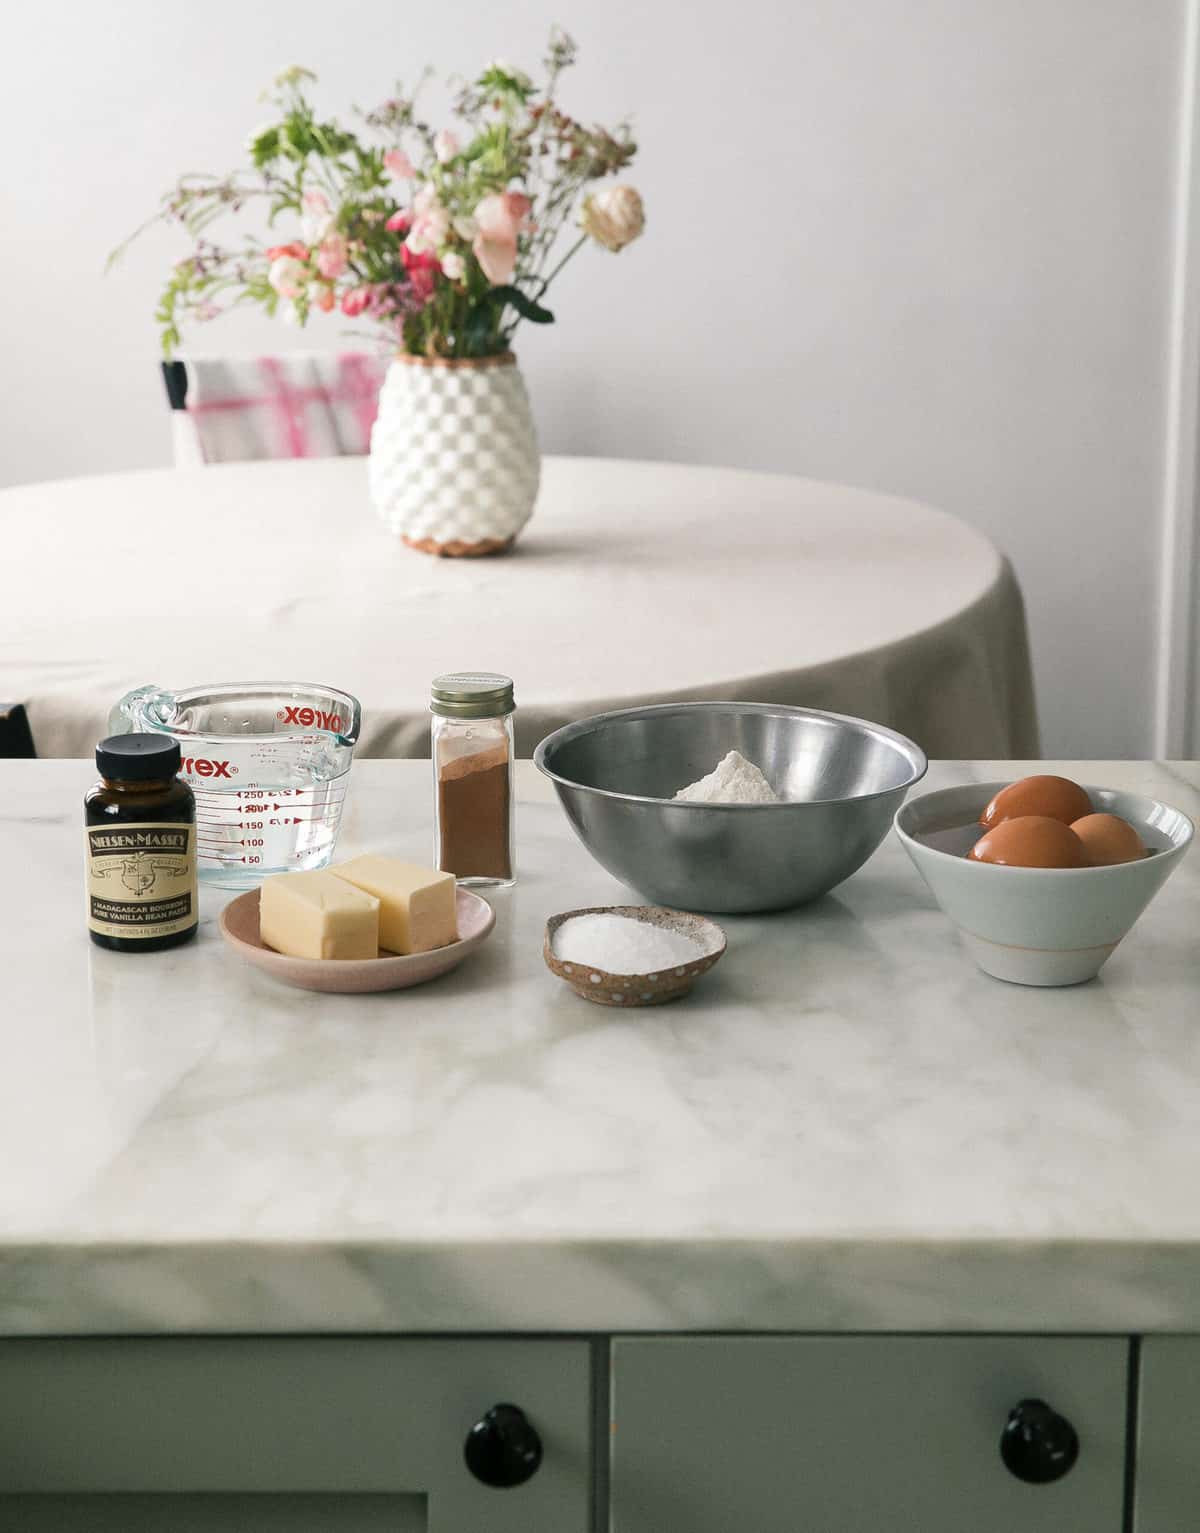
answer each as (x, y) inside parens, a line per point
(141, 879)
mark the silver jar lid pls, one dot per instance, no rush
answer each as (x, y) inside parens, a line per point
(471, 695)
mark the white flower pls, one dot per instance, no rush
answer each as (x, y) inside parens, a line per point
(293, 75)
(445, 145)
(466, 227)
(316, 220)
(287, 276)
(613, 217)
(454, 266)
(431, 222)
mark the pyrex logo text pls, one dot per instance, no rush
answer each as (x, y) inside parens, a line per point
(307, 717)
(200, 766)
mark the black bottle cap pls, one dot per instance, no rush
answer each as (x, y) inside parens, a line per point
(138, 758)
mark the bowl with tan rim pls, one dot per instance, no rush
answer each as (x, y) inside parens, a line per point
(608, 989)
(1039, 926)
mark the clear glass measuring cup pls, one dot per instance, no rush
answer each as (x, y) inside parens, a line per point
(268, 761)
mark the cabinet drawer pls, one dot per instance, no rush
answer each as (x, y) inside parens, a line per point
(338, 1433)
(840, 1435)
(1167, 1495)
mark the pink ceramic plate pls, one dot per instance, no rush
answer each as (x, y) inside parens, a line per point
(355, 976)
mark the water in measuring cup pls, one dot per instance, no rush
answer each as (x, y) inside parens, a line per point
(269, 763)
(287, 825)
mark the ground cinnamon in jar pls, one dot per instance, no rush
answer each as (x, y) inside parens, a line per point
(472, 765)
(473, 812)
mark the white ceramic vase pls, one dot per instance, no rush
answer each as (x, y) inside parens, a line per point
(454, 464)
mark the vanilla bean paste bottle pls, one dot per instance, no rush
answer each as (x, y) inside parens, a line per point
(140, 823)
(472, 740)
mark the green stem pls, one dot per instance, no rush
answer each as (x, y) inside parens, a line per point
(546, 281)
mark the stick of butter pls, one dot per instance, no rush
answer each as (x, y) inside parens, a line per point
(315, 915)
(416, 905)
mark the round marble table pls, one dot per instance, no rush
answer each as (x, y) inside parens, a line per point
(634, 583)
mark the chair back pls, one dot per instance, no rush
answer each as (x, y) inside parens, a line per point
(299, 405)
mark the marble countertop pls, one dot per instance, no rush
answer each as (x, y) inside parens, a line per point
(846, 1127)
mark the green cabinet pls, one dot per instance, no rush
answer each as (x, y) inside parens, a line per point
(340, 1434)
(767, 1434)
(1167, 1486)
(829, 1434)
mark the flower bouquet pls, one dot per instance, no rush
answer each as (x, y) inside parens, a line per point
(444, 241)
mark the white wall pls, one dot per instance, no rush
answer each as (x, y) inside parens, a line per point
(918, 244)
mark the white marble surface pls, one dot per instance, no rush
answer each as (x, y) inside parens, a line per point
(846, 1127)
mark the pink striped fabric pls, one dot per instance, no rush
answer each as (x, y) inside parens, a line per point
(299, 405)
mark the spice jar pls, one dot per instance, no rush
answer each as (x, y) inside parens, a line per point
(140, 823)
(472, 770)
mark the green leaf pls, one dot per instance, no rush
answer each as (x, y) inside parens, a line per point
(525, 307)
(478, 329)
(265, 147)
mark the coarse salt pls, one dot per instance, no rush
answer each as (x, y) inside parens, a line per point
(733, 780)
(622, 945)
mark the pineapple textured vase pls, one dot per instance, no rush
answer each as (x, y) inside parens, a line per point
(454, 464)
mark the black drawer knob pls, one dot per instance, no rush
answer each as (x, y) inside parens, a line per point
(502, 1448)
(1037, 1444)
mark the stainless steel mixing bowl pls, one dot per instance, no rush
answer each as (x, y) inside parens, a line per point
(616, 775)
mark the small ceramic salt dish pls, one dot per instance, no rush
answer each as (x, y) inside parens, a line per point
(667, 984)
(356, 976)
(1038, 926)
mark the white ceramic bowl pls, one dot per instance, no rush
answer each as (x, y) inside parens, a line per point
(1038, 926)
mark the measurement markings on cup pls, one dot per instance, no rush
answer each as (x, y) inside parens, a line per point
(262, 827)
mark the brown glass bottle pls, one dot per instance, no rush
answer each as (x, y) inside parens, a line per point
(140, 823)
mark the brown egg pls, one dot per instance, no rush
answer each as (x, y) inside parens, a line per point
(1030, 841)
(1055, 798)
(1108, 839)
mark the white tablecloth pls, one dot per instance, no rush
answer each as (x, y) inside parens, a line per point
(635, 582)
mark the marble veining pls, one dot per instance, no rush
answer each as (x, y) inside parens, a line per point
(846, 1126)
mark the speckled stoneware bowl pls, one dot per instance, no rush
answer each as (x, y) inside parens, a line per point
(638, 989)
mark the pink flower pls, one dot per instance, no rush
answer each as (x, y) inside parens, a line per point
(355, 301)
(518, 208)
(423, 268)
(399, 165)
(421, 284)
(504, 214)
(294, 249)
(500, 219)
(497, 256)
(445, 145)
(332, 255)
(399, 222)
(431, 222)
(288, 276)
(323, 298)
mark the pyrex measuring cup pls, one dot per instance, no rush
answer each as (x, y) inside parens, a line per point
(268, 762)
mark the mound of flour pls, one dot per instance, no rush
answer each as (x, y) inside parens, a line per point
(733, 780)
